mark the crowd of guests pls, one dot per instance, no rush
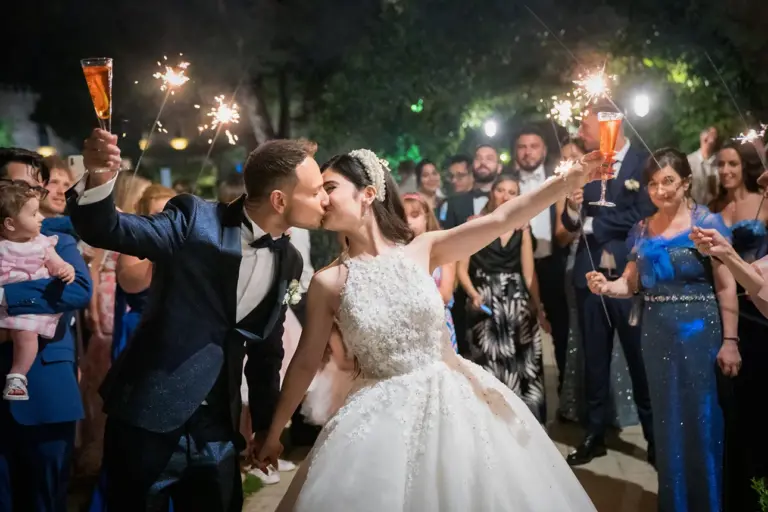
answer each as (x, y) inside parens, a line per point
(655, 273)
(668, 273)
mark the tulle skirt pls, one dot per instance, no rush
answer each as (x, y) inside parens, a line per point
(445, 437)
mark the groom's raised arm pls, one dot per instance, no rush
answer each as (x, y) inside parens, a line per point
(97, 221)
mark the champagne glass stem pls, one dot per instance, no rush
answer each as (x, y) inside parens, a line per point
(603, 187)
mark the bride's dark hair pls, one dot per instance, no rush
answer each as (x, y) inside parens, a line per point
(390, 213)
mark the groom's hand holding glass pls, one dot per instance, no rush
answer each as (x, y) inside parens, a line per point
(100, 151)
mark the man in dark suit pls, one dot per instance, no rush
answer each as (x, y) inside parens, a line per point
(606, 231)
(37, 436)
(224, 275)
(533, 168)
(486, 167)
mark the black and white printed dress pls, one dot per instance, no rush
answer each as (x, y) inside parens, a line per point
(507, 343)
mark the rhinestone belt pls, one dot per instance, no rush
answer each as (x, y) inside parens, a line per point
(701, 297)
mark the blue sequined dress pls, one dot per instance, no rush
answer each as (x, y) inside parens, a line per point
(681, 336)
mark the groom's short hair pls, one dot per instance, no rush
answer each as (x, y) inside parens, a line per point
(272, 164)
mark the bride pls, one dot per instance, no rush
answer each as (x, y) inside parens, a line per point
(422, 428)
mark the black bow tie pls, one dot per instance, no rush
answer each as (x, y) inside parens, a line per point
(270, 243)
(479, 193)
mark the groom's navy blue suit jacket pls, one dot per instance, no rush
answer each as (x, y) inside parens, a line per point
(189, 344)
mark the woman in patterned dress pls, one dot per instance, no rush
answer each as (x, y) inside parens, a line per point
(505, 311)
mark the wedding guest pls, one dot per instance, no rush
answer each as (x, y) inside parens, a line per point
(460, 175)
(486, 167)
(38, 435)
(406, 171)
(533, 168)
(741, 199)
(231, 188)
(422, 219)
(572, 403)
(702, 162)
(428, 183)
(603, 243)
(183, 186)
(689, 326)
(26, 255)
(505, 311)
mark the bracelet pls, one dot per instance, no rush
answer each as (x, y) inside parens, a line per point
(735, 339)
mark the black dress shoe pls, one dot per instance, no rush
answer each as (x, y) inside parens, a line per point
(591, 448)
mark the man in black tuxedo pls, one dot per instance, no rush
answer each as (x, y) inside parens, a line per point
(533, 169)
(606, 231)
(224, 275)
(486, 167)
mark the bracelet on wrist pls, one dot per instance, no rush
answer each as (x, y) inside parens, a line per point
(734, 339)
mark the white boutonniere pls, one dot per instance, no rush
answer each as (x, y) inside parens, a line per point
(292, 294)
(632, 185)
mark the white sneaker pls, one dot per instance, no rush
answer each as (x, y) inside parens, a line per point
(285, 466)
(271, 478)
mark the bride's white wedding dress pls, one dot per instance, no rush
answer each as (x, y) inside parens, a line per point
(424, 430)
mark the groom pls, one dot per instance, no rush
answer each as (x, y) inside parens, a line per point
(219, 291)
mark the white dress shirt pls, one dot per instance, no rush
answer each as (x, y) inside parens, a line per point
(607, 260)
(300, 240)
(541, 225)
(478, 203)
(704, 179)
(257, 266)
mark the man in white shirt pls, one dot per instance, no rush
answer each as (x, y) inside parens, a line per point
(703, 170)
(533, 170)
(604, 248)
(221, 287)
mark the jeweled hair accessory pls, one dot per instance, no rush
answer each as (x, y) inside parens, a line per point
(375, 169)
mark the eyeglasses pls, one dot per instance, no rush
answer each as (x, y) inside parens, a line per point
(41, 192)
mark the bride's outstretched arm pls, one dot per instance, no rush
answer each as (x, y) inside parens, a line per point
(309, 354)
(463, 241)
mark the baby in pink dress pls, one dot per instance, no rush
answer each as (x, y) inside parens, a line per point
(25, 255)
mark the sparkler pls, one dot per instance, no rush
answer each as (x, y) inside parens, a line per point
(172, 79)
(594, 86)
(564, 166)
(752, 135)
(224, 113)
(564, 111)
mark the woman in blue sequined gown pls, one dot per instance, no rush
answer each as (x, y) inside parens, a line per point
(746, 446)
(689, 326)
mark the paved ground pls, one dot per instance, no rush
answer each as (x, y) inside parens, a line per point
(620, 482)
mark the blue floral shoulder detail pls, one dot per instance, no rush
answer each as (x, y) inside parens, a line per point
(652, 253)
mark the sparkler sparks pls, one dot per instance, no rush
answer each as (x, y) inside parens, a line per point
(174, 77)
(594, 86)
(752, 135)
(223, 114)
(564, 166)
(564, 112)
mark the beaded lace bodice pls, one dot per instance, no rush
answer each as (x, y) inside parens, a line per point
(391, 315)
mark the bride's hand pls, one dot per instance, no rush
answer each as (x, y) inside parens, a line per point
(268, 454)
(586, 169)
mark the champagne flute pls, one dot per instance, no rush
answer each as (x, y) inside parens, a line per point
(98, 76)
(610, 125)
